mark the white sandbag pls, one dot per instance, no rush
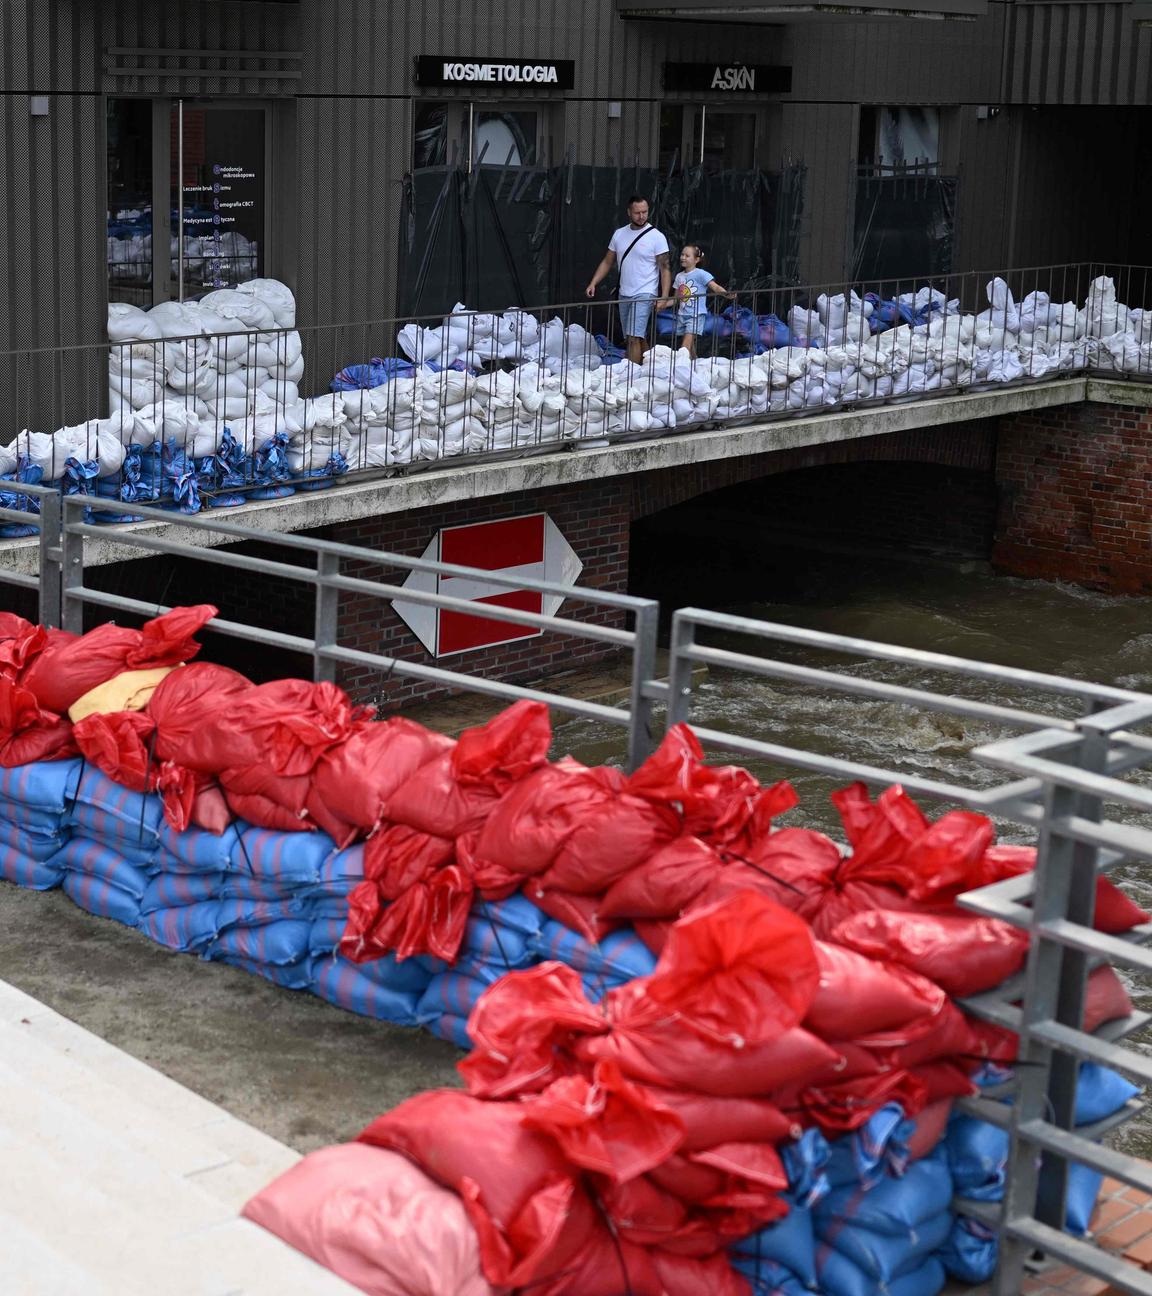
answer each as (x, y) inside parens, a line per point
(176, 319)
(135, 392)
(130, 323)
(249, 309)
(325, 411)
(168, 421)
(276, 296)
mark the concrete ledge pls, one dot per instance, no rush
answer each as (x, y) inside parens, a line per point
(438, 486)
(1119, 391)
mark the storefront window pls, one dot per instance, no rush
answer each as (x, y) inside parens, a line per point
(896, 141)
(501, 136)
(505, 137)
(430, 136)
(702, 136)
(130, 201)
(222, 150)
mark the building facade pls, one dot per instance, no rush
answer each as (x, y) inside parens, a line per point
(352, 148)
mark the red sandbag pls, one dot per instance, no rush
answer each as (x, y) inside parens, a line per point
(652, 1044)
(20, 643)
(428, 918)
(946, 1034)
(352, 781)
(948, 856)
(67, 668)
(581, 913)
(528, 827)
(1105, 998)
(620, 836)
(653, 934)
(263, 812)
(859, 997)
(606, 1124)
(522, 1028)
(666, 884)
(517, 1187)
(947, 1080)
(743, 970)
(376, 1220)
(277, 799)
(709, 1121)
(931, 1126)
(118, 743)
(963, 953)
(880, 832)
(722, 804)
(28, 733)
(796, 866)
(606, 1266)
(284, 728)
(396, 858)
(187, 703)
(192, 800)
(841, 1108)
(434, 800)
(503, 752)
(683, 1276)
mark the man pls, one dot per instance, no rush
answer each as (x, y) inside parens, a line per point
(640, 252)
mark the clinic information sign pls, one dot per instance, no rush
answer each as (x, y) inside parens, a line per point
(469, 70)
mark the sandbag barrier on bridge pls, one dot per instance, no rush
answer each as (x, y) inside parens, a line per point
(805, 1004)
(207, 407)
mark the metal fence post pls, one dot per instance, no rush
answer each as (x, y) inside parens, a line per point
(1054, 990)
(51, 553)
(71, 568)
(641, 739)
(680, 667)
(327, 627)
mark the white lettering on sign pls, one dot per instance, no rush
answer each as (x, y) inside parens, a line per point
(734, 78)
(539, 73)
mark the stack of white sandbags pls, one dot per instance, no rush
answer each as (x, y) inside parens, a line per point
(183, 371)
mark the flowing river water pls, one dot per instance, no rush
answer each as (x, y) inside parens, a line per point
(959, 607)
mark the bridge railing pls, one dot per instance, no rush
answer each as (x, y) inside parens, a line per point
(225, 418)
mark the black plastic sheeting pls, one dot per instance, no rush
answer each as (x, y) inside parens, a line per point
(532, 236)
(904, 226)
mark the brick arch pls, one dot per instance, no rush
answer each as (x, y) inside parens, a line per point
(964, 445)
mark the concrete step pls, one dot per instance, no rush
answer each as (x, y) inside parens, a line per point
(105, 1189)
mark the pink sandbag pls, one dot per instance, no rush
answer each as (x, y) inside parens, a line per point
(68, 667)
(376, 1220)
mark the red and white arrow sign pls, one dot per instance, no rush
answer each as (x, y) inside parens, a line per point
(529, 547)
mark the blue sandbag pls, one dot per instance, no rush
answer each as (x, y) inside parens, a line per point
(1100, 1093)
(140, 813)
(276, 943)
(894, 1268)
(292, 976)
(1083, 1189)
(342, 984)
(451, 1028)
(977, 1153)
(326, 934)
(449, 992)
(884, 1256)
(879, 1146)
(128, 840)
(175, 890)
(404, 977)
(101, 898)
(327, 899)
(377, 372)
(892, 1206)
(790, 1243)
(768, 1278)
(804, 1161)
(281, 856)
(515, 911)
(238, 886)
(971, 1252)
(33, 845)
(237, 911)
(343, 866)
(198, 851)
(188, 929)
(33, 818)
(486, 940)
(47, 785)
(622, 953)
(36, 875)
(94, 860)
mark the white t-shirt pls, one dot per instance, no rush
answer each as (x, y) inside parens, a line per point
(639, 275)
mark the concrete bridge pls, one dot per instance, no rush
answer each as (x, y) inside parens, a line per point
(1052, 479)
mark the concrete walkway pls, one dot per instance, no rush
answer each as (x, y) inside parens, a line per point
(118, 1181)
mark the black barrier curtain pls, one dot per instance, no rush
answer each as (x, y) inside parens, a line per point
(530, 236)
(904, 226)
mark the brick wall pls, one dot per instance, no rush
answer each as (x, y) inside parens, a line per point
(1076, 497)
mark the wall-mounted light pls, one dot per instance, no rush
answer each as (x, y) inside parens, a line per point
(614, 109)
(38, 105)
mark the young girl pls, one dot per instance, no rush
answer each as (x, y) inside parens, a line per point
(690, 290)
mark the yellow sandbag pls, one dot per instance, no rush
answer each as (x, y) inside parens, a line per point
(128, 691)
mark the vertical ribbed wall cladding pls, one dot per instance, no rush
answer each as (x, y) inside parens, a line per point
(1095, 53)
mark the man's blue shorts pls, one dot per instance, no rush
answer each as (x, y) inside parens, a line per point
(635, 313)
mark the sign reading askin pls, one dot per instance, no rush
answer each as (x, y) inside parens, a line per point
(728, 78)
(468, 70)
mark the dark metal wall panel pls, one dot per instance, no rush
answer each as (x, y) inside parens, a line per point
(984, 163)
(823, 138)
(1094, 53)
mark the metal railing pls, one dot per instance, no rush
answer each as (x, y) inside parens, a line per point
(324, 566)
(221, 419)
